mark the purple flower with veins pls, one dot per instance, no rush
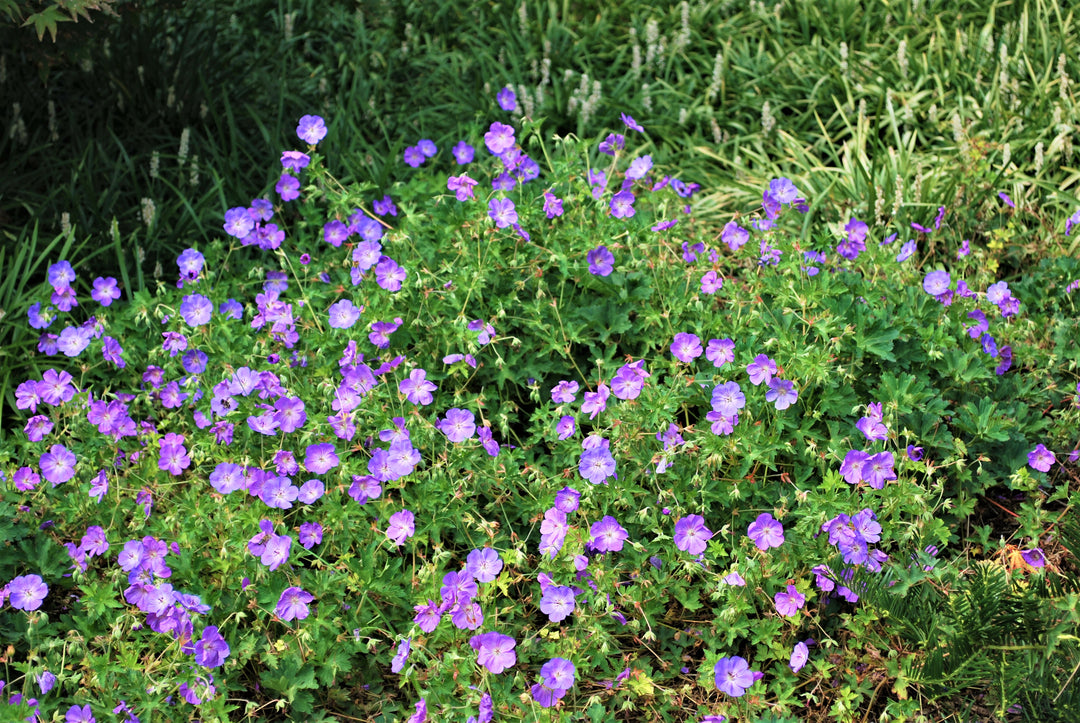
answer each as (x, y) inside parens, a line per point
(733, 676)
(557, 602)
(462, 186)
(720, 351)
(458, 424)
(417, 389)
(564, 392)
(57, 465)
(597, 465)
(936, 283)
(507, 99)
(1041, 458)
(388, 274)
(782, 392)
(402, 526)
(320, 458)
(691, 534)
(495, 651)
(766, 532)
(631, 123)
(601, 261)
(27, 592)
(607, 535)
(761, 369)
(484, 564)
(499, 138)
(293, 604)
(105, 291)
(686, 347)
(463, 153)
(788, 603)
(502, 212)
(212, 649)
(728, 399)
(311, 129)
(639, 167)
(622, 204)
(565, 427)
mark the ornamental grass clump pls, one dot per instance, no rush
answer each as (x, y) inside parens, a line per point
(516, 438)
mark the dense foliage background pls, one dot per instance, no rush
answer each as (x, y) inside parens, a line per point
(949, 124)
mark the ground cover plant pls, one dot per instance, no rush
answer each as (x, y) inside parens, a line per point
(522, 438)
(516, 407)
(891, 110)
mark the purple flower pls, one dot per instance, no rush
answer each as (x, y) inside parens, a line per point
(734, 235)
(564, 391)
(414, 157)
(401, 655)
(906, 251)
(427, 147)
(552, 205)
(388, 274)
(565, 427)
(613, 142)
(78, 714)
(711, 283)
(639, 167)
(782, 392)
(631, 123)
(1040, 458)
(601, 261)
(295, 161)
(728, 399)
(691, 534)
(720, 351)
(293, 604)
(761, 369)
(26, 592)
(105, 290)
(484, 564)
(458, 424)
(629, 380)
(766, 532)
(288, 187)
(567, 499)
(501, 211)
(463, 153)
(462, 186)
(417, 389)
(936, 283)
(499, 138)
(607, 535)
(212, 649)
(790, 602)
(597, 465)
(343, 314)
(276, 552)
(686, 347)
(733, 676)
(494, 651)
(57, 465)
(799, 656)
(1034, 557)
(196, 309)
(557, 602)
(61, 274)
(506, 99)
(622, 204)
(311, 129)
(320, 458)
(402, 526)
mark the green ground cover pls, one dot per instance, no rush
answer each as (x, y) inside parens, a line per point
(828, 287)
